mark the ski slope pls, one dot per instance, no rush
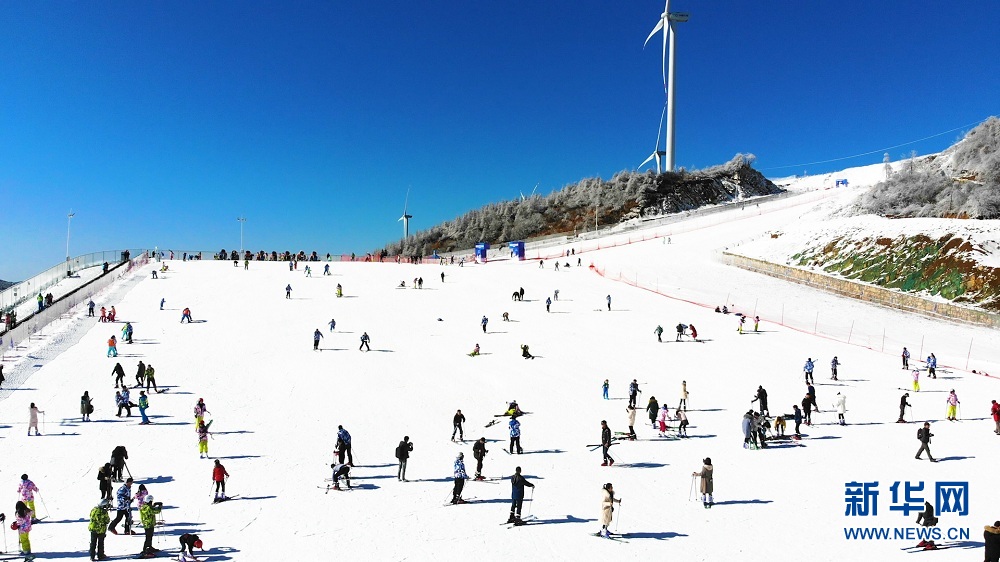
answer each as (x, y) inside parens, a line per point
(276, 405)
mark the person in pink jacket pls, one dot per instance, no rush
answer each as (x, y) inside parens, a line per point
(953, 403)
(23, 526)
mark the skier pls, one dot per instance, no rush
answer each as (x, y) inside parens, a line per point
(219, 477)
(520, 294)
(475, 351)
(833, 367)
(33, 412)
(341, 471)
(98, 528)
(808, 369)
(605, 387)
(513, 409)
(902, 408)
(90, 308)
(189, 542)
(199, 411)
(326, 269)
(906, 358)
(143, 405)
(456, 426)
(995, 412)
(652, 409)
(316, 337)
(344, 445)
(932, 366)
(515, 434)
(127, 332)
(525, 353)
(680, 332)
(684, 396)
(202, 431)
(548, 304)
(163, 301)
(924, 435)
(24, 519)
(118, 457)
(186, 315)
(762, 397)
(633, 392)
(798, 420)
(140, 374)
(124, 400)
(747, 426)
(364, 342)
(124, 499)
(756, 323)
(779, 426)
(151, 378)
(953, 403)
(104, 315)
(811, 391)
(517, 484)
(663, 417)
(479, 453)
(682, 426)
(506, 317)
(742, 320)
(288, 291)
(707, 482)
(807, 409)
(104, 475)
(147, 516)
(112, 347)
(916, 380)
(333, 324)
(484, 321)
(840, 404)
(630, 411)
(460, 477)
(606, 443)
(609, 302)
(119, 373)
(607, 508)
(694, 332)
(340, 290)
(27, 490)
(403, 451)
(555, 295)
(442, 277)
(141, 495)
(659, 332)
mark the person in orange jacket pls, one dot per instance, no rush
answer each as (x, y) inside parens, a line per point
(112, 347)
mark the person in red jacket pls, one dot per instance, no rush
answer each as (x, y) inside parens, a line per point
(219, 476)
(995, 412)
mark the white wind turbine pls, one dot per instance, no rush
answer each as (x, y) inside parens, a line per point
(532, 192)
(666, 25)
(657, 154)
(406, 218)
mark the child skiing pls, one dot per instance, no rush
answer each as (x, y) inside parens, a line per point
(202, 439)
(219, 477)
(953, 403)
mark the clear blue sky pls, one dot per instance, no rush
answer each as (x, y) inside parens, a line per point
(159, 123)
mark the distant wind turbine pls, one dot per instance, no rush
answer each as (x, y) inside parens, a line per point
(532, 192)
(666, 25)
(657, 154)
(406, 218)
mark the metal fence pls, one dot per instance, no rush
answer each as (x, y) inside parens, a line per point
(18, 293)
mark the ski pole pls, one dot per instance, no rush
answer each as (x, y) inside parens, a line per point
(691, 490)
(41, 499)
(619, 520)
(127, 470)
(959, 411)
(4, 536)
(531, 501)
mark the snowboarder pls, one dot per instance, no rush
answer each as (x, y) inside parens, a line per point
(902, 408)
(652, 409)
(456, 426)
(118, 457)
(684, 396)
(147, 516)
(916, 380)
(607, 508)
(484, 322)
(606, 385)
(364, 342)
(953, 403)
(460, 478)
(316, 337)
(932, 366)
(707, 482)
(517, 484)
(202, 431)
(633, 392)
(924, 436)
(515, 434)
(186, 315)
(525, 353)
(833, 367)
(143, 405)
(124, 500)
(659, 333)
(341, 471)
(840, 403)
(906, 358)
(762, 397)
(606, 443)
(219, 477)
(475, 351)
(119, 373)
(344, 445)
(479, 453)
(288, 291)
(808, 369)
(33, 412)
(403, 451)
(98, 527)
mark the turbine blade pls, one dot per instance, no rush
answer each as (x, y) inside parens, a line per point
(659, 26)
(659, 130)
(666, 31)
(407, 200)
(651, 156)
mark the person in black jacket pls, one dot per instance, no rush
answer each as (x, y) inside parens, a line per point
(403, 451)
(104, 480)
(902, 407)
(479, 452)
(118, 457)
(456, 423)
(140, 374)
(606, 443)
(517, 484)
(119, 374)
(189, 542)
(991, 535)
(924, 435)
(762, 397)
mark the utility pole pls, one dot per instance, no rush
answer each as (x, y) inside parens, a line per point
(69, 222)
(242, 220)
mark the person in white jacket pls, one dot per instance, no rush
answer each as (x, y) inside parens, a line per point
(841, 405)
(631, 422)
(664, 417)
(607, 507)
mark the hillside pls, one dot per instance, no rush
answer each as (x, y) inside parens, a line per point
(626, 196)
(962, 181)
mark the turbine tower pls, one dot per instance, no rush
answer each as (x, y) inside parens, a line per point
(406, 218)
(667, 26)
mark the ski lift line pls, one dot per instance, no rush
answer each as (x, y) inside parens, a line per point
(877, 150)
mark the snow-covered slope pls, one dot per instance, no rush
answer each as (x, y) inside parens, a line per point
(276, 405)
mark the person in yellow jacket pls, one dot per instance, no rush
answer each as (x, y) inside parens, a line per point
(147, 516)
(99, 520)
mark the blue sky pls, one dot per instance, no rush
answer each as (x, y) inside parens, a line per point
(158, 123)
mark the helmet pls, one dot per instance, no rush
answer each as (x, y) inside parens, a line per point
(197, 543)
(461, 455)
(149, 499)
(105, 503)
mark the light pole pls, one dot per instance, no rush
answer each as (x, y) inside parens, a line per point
(69, 222)
(242, 220)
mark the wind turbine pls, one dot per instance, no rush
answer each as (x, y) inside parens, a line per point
(406, 218)
(666, 25)
(657, 153)
(532, 192)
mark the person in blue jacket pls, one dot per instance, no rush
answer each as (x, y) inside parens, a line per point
(460, 478)
(808, 369)
(515, 435)
(517, 484)
(344, 445)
